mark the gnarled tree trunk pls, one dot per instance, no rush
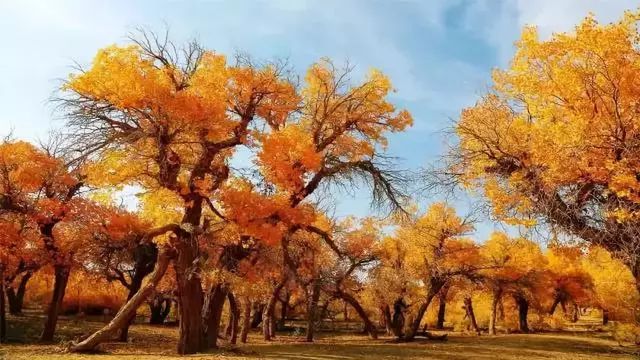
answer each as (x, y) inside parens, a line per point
(61, 278)
(16, 297)
(124, 314)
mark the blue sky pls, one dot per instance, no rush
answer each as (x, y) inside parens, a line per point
(439, 54)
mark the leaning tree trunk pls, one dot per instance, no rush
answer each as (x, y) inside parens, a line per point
(136, 284)
(415, 325)
(16, 297)
(495, 299)
(145, 256)
(123, 315)
(369, 327)
(312, 310)
(523, 311)
(269, 312)
(234, 319)
(212, 315)
(59, 288)
(605, 316)
(246, 320)
(468, 308)
(3, 310)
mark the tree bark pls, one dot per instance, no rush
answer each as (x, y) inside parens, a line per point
(212, 315)
(190, 298)
(523, 311)
(16, 297)
(495, 299)
(369, 327)
(234, 319)
(246, 320)
(123, 315)
(61, 274)
(468, 307)
(312, 310)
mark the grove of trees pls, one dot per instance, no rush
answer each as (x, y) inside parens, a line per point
(224, 245)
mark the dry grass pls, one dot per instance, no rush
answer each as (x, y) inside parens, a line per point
(153, 342)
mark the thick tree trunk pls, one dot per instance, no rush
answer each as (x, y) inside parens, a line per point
(470, 314)
(234, 319)
(415, 325)
(214, 303)
(605, 316)
(3, 310)
(246, 320)
(269, 310)
(124, 314)
(16, 297)
(495, 300)
(61, 274)
(190, 297)
(312, 310)
(523, 311)
(369, 327)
